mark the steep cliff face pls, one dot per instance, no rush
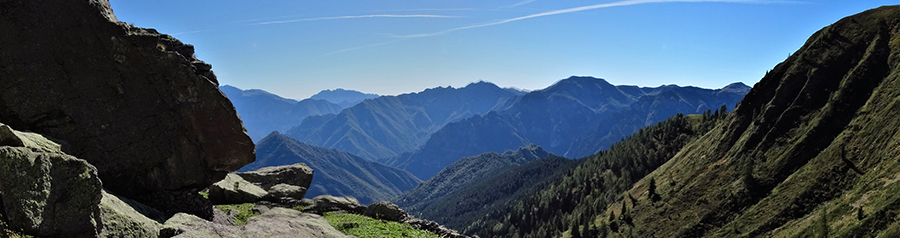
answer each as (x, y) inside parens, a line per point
(810, 151)
(134, 103)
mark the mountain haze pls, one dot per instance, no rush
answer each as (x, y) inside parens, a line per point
(387, 126)
(343, 97)
(263, 112)
(335, 173)
(575, 117)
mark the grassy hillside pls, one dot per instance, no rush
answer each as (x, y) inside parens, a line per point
(810, 152)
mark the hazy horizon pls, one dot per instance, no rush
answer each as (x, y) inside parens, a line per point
(295, 49)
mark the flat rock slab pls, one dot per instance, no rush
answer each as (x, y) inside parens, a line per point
(234, 190)
(277, 222)
(298, 174)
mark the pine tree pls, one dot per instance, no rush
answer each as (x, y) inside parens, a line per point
(586, 230)
(822, 224)
(575, 232)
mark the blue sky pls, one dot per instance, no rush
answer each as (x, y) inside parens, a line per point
(297, 48)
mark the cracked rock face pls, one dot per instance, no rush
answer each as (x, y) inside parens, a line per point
(134, 103)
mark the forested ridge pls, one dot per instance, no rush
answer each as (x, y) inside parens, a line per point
(575, 198)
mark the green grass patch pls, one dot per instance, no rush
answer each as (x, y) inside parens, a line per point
(244, 212)
(300, 208)
(363, 227)
(205, 195)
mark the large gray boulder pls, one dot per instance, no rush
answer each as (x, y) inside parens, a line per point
(45, 192)
(285, 193)
(234, 190)
(277, 222)
(385, 210)
(328, 203)
(133, 102)
(121, 220)
(296, 174)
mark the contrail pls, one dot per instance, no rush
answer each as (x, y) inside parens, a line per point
(584, 8)
(352, 17)
(520, 3)
(362, 47)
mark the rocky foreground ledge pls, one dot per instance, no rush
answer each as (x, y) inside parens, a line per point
(277, 192)
(48, 193)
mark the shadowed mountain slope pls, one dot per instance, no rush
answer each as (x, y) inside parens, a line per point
(335, 173)
(387, 126)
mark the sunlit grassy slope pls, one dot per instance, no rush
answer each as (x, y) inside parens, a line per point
(812, 151)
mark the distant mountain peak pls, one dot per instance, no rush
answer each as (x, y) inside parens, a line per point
(345, 98)
(530, 148)
(737, 87)
(481, 82)
(581, 82)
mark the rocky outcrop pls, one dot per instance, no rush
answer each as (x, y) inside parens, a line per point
(133, 102)
(385, 210)
(296, 174)
(233, 190)
(121, 220)
(328, 203)
(45, 192)
(276, 222)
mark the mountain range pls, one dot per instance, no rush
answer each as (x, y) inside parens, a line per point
(263, 112)
(387, 126)
(811, 151)
(335, 173)
(344, 98)
(575, 117)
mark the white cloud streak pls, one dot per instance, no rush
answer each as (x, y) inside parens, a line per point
(354, 17)
(190, 32)
(520, 3)
(584, 8)
(362, 47)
